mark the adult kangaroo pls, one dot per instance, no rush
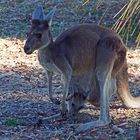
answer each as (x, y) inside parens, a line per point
(78, 50)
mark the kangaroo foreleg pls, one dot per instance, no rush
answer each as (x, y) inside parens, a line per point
(66, 70)
(54, 100)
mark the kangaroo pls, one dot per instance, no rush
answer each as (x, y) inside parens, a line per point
(79, 51)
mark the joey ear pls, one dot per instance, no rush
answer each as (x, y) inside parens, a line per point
(38, 14)
(50, 15)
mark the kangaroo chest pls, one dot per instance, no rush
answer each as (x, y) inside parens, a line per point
(47, 63)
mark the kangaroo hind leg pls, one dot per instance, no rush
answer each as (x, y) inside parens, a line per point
(105, 58)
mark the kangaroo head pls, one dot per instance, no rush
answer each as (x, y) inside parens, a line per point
(39, 36)
(76, 102)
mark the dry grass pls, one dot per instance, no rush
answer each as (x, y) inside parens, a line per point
(128, 22)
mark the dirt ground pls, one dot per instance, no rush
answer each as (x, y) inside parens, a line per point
(24, 100)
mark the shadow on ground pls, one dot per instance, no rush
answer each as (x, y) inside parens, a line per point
(23, 95)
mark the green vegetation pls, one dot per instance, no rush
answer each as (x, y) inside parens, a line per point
(13, 122)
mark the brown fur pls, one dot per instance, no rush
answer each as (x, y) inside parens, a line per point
(89, 55)
(122, 89)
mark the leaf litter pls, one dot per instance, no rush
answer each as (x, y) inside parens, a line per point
(24, 90)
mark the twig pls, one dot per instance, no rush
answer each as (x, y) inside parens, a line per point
(74, 125)
(73, 137)
(40, 121)
(51, 117)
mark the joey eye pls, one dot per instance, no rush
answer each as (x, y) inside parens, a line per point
(38, 35)
(73, 105)
(81, 107)
(84, 97)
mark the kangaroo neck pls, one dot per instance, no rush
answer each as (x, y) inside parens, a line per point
(44, 54)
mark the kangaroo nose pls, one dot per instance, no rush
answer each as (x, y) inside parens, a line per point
(27, 49)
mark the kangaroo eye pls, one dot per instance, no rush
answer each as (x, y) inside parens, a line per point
(38, 35)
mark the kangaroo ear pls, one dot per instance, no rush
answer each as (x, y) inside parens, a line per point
(38, 14)
(50, 15)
